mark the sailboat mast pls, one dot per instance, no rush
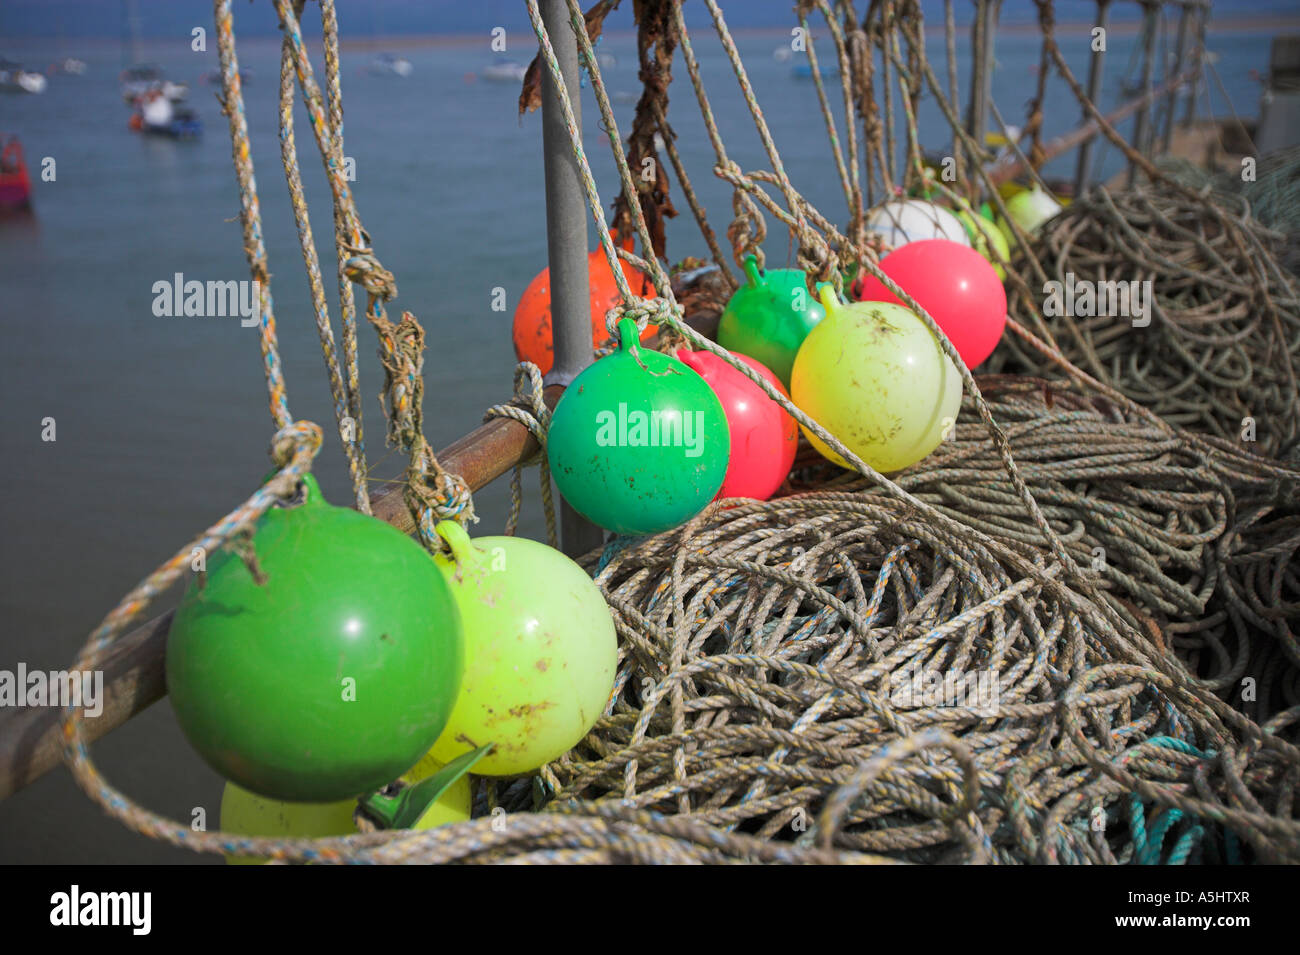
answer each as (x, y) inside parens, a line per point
(130, 32)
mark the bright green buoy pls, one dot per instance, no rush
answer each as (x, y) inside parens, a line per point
(769, 316)
(540, 652)
(639, 442)
(333, 676)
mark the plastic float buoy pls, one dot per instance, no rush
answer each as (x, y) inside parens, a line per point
(332, 676)
(955, 284)
(638, 442)
(531, 331)
(540, 652)
(769, 316)
(764, 438)
(872, 375)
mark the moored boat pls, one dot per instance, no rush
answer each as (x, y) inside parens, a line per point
(156, 115)
(505, 71)
(391, 64)
(15, 183)
(139, 80)
(15, 79)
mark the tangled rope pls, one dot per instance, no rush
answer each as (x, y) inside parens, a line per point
(1198, 558)
(771, 658)
(1212, 359)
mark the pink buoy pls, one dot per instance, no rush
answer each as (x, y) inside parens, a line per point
(952, 282)
(763, 437)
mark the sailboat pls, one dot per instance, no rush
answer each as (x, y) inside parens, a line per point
(138, 79)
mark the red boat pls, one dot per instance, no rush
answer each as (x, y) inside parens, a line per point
(15, 184)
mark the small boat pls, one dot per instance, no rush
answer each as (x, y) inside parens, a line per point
(391, 64)
(184, 125)
(157, 116)
(505, 71)
(69, 65)
(15, 184)
(137, 81)
(14, 79)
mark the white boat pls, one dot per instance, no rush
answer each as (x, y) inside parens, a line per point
(14, 79)
(139, 80)
(390, 64)
(505, 71)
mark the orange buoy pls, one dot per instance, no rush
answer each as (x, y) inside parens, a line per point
(532, 323)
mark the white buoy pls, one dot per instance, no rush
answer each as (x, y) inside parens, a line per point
(911, 220)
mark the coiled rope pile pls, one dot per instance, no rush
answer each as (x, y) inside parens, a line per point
(1219, 359)
(776, 694)
(1220, 353)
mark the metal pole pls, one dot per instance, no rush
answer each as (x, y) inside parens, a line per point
(979, 72)
(990, 61)
(1180, 51)
(1096, 70)
(982, 77)
(1141, 124)
(566, 242)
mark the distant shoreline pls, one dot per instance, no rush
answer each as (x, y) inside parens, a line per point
(1232, 24)
(1228, 24)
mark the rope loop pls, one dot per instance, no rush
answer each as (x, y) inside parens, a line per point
(528, 406)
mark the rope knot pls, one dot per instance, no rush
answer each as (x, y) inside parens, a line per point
(292, 439)
(816, 258)
(433, 494)
(748, 228)
(365, 270)
(643, 311)
(401, 352)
